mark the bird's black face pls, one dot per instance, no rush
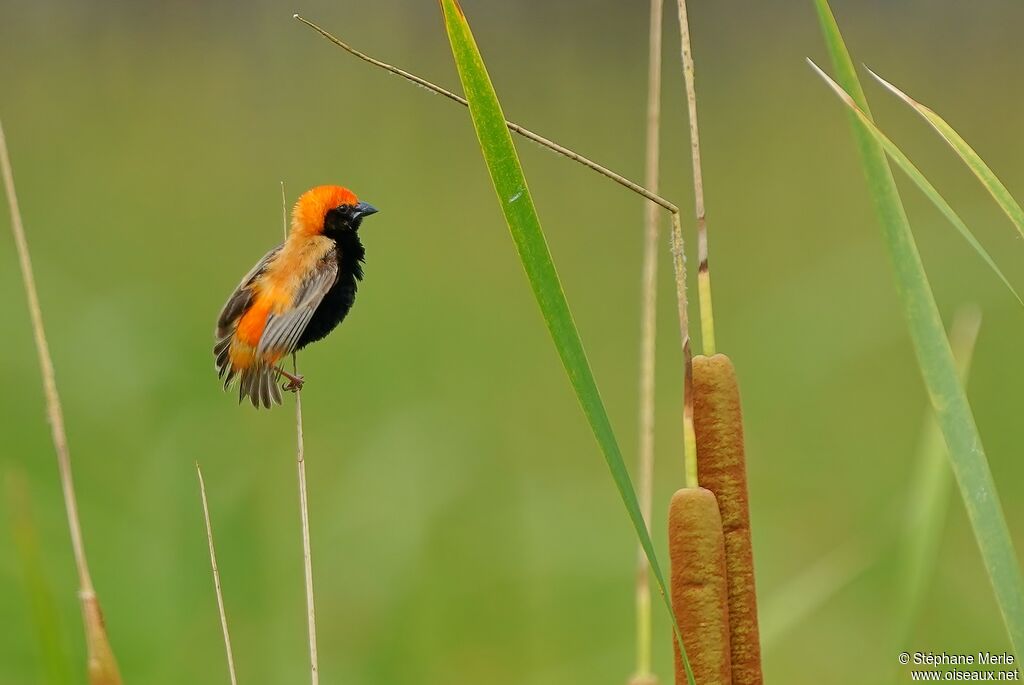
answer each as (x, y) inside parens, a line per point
(346, 218)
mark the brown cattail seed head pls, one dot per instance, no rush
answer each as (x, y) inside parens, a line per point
(722, 468)
(699, 591)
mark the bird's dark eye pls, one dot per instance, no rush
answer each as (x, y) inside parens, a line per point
(339, 218)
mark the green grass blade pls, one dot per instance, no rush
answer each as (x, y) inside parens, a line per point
(946, 394)
(971, 158)
(911, 170)
(520, 214)
(38, 593)
(929, 494)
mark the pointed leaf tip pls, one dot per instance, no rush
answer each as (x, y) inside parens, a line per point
(967, 154)
(919, 179)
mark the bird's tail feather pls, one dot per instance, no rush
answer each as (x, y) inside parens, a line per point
(259, 383)
(257, 380)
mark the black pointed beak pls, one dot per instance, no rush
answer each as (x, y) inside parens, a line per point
(365, 209)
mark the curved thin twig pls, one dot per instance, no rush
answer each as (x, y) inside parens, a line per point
(515, 128)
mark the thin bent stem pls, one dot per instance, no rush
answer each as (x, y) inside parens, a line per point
(707, 319)
(676, 235)
(515, 128)
(307, 557)
(216, 578)
(648, 330)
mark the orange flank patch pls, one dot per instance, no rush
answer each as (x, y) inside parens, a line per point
(241, 355)
(250, 326)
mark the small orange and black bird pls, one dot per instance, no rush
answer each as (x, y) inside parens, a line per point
(295, 295)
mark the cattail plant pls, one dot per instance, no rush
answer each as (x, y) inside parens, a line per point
(718, 460)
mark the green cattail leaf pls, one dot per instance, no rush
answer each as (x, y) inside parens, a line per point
(935, 359)
(517, 205)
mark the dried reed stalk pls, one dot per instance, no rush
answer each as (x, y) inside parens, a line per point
(216, 578)
(648, 330)
(102, 667)
(307, 557)
(707, 319)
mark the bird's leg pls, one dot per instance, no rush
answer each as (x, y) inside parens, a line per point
(294, 383)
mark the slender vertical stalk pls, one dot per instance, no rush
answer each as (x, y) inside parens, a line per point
(689, 436)
(707, 319)
(307, 557)
(53, 407)
(216, 578)
(102, 666)
(648, 331)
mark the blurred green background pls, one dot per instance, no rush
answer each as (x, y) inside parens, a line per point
(464, 527)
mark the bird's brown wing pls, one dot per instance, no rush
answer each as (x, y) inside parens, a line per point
(242, 297)
(280, 335)
(284, 328)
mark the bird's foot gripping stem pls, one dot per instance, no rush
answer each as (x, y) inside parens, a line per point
(295, 382)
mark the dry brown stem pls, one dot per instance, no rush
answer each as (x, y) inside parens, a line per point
(216, 578)
(102, 666)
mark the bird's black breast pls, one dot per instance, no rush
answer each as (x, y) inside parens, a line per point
(349, 253)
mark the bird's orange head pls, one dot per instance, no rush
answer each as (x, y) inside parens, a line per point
(324, 208)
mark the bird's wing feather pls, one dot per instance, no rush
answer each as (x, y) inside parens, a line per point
(241, 298)
(283, 329)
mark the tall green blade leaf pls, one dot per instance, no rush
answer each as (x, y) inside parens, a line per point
(949, 401)
(517, 205)
(929, 496)
(971, 158)
(911, 170)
